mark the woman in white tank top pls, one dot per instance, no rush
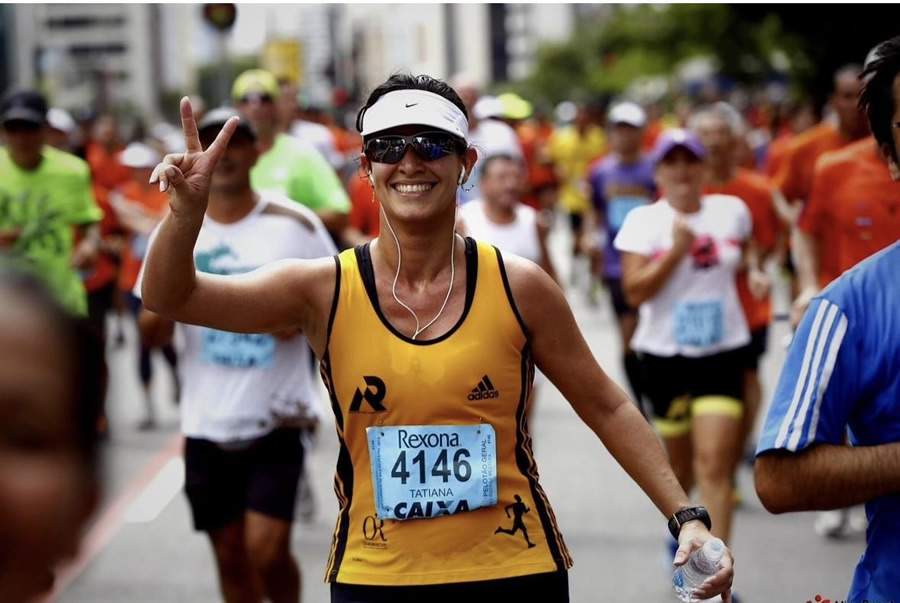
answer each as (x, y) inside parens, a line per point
(499, 218)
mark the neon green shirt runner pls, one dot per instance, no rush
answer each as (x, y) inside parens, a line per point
(299, 172)
(44, 205)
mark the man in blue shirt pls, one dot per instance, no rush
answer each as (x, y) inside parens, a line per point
(620, 182)
(843, 372)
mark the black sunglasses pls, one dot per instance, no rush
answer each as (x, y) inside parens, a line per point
(15, 126)
(208, 135)
(430, 146)
(262, 98)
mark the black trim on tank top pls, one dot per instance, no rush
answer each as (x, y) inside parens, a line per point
(367, 273)
(343, 479)
(334, 301)
(525, 464)
(342, 530)
(509, 295)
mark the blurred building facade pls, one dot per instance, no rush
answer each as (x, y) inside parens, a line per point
(99, 55)
(140, 56)
(486, 42)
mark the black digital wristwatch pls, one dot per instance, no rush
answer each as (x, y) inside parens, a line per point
(687, 514)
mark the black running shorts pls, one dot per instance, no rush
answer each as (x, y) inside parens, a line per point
(222, 484)
(548, 588)
(679, 387)
(754, 350)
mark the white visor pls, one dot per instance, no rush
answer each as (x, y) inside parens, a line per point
(405, 107)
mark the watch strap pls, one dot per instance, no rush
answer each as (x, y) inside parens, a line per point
(682, 516)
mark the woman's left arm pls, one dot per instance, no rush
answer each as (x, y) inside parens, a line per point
(562, 354)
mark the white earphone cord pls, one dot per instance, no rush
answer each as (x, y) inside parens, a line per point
(397, 276)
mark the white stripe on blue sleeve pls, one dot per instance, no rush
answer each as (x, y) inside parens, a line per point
(812, 376)
(823, 344)
(801, 380)
(833, 349)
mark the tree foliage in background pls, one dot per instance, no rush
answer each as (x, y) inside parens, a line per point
(208, 78)
(603, 58)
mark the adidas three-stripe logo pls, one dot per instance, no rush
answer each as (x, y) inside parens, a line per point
(484, 390)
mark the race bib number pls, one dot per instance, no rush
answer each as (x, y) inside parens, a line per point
(422, 471)
(238, 350)
(618, 207)
(139, 245)
(699, 324)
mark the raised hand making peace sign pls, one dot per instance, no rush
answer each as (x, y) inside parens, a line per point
(187, 175)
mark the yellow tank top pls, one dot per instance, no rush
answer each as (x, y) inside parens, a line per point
(479, 372)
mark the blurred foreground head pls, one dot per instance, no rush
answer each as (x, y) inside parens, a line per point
(880, 99)
(52, 381)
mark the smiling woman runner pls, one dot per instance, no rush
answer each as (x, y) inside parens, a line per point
(428, 344)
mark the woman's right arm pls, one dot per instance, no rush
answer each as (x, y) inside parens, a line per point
(643, 276)
(284, 295)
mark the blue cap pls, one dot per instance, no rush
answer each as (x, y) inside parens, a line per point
(677, 137)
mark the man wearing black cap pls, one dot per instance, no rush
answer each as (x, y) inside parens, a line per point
(46, 203)
(243, 399)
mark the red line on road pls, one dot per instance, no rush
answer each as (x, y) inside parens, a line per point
(109, 523)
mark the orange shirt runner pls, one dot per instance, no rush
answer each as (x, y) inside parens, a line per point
(364, 208)
(106, 169)
(106, 174)
(778, 152)
(534, 138)
(154, 203)
(102, 272)
(756, 192)
(854, 207)
(794, 178)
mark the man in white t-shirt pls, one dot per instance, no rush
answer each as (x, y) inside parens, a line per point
(244, 395)
(501, 219)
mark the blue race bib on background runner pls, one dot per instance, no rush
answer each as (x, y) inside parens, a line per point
(238, 350)
(619, 206)
(699, 323)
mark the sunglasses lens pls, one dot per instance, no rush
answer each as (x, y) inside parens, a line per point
(433, 146)
(429, 146)
(17, 126)
(257, 97)
(386, 149)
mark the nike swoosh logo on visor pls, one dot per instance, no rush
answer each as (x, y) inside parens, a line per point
(412, 105)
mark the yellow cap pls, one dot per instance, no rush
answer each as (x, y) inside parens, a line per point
(253, 81)
(514, 106)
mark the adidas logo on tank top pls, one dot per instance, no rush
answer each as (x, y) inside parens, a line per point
(484, 390)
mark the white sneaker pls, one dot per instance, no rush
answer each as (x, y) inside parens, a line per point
(832, 524)
(858, 522)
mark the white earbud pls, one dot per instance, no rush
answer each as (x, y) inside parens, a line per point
(371, 178)
(462, 177)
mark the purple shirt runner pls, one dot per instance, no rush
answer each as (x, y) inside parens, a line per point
(616, 190)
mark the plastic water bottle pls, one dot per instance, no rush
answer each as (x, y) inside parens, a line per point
(702, 564)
